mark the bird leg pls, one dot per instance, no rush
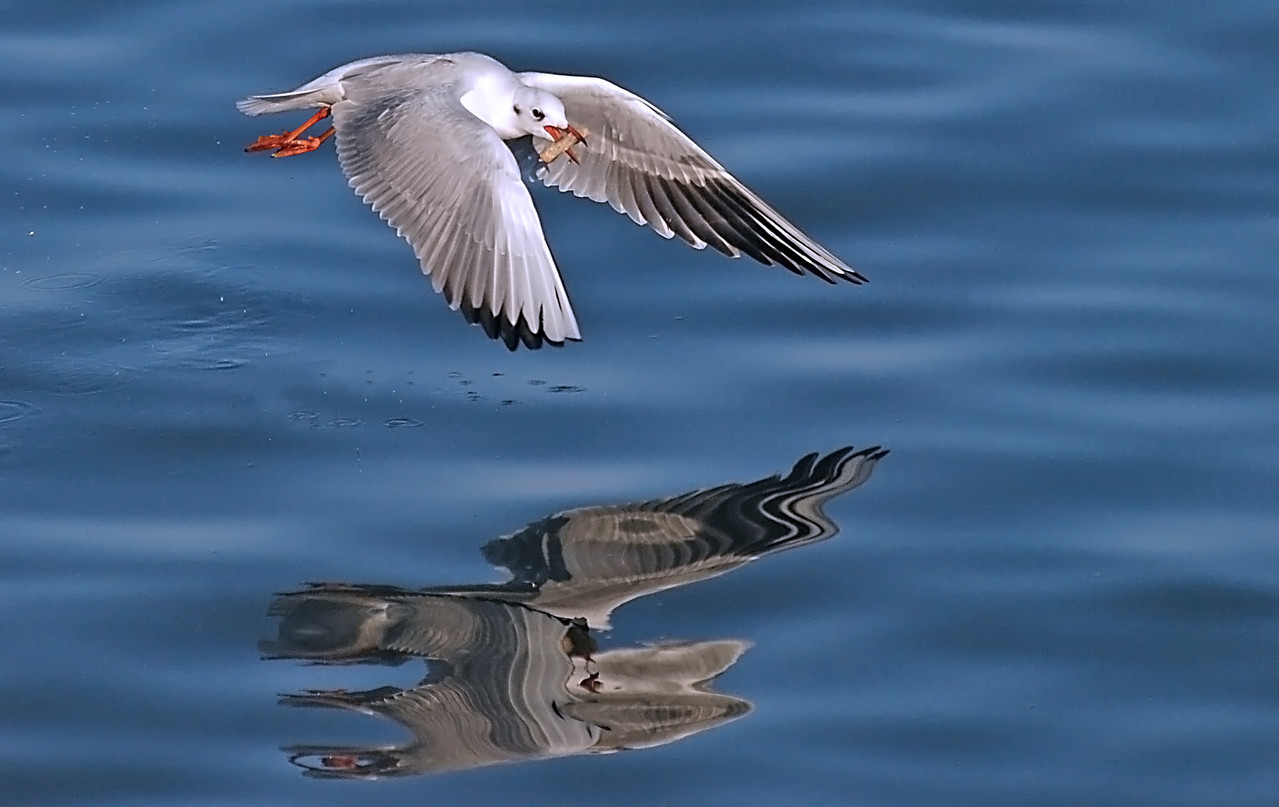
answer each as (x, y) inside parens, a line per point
(289, 143)
(564, 141)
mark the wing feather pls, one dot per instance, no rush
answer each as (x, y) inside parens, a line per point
(638, 162)
(451, 188)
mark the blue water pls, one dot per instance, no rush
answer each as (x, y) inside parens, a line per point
(222, 378)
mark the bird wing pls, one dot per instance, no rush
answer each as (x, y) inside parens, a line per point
(449, 185)
(638, 162)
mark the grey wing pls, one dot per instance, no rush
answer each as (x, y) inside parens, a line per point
(637, 161)
(447, 184)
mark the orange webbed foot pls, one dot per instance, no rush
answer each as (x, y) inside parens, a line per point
(268, 142)
(288, 143)
(302, 145)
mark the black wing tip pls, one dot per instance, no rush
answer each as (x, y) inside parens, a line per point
(511, 334)
(829, 274)
(831, 271)
(749, 224)
(826, 274)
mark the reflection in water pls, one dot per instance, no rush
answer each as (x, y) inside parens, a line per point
(513, 672)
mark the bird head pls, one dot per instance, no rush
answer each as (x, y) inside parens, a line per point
(537, 109)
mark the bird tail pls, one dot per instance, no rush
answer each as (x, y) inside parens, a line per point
(283, 101)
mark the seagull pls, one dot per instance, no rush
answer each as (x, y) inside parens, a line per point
(423, 139)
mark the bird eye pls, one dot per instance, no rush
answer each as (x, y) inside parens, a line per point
(517, 109)
(538, 114)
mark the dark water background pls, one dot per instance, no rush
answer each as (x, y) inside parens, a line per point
(221, 377)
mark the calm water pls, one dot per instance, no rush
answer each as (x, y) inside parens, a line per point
(221, 379)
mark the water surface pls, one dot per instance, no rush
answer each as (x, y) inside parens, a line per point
(222, 378)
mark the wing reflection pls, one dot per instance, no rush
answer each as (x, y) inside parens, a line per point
(513, 671)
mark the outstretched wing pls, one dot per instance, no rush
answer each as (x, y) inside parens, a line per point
(447, 184)
(637, 161)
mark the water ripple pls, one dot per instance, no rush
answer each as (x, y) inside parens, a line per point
(16, 410)
(63, 282)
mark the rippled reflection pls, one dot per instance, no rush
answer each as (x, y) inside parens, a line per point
(513, 670)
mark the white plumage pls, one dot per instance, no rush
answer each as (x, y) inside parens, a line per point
(420, 138)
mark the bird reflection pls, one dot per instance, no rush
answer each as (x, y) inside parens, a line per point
(513, 669)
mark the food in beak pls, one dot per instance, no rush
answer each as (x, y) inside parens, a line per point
(563, 141)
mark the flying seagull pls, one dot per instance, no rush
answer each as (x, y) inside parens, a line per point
(420, 138)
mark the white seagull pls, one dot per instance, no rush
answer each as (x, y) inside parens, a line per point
(420, 138)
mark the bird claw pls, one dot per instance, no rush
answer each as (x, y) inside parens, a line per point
(268, 142)
(301, 146)
(288, 143)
